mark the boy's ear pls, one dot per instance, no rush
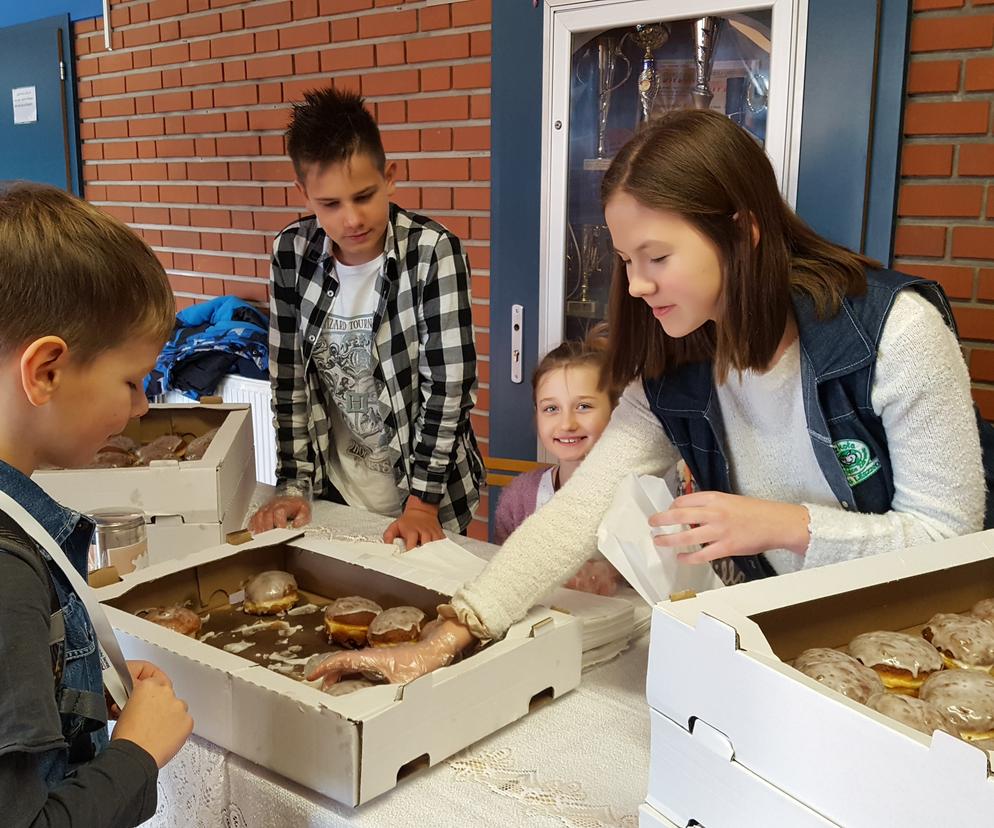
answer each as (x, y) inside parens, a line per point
(42, 365)
(390, 174)
(301, 190)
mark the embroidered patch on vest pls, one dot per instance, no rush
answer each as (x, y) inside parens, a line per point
(856, 460)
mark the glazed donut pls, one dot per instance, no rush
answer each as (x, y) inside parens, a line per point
(166, 447)
(177, 618)
(270, 592)
(197, 447)
(841, 672)
(965, 641)
(398, 625)
(901, 660)
(967, 696)
(347, 620)
(918, 714)
(984, 609)
(120, 442)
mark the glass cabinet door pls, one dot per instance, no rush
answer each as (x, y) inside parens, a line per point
(612, 67)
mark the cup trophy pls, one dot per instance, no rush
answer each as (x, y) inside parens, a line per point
(589, 262)
(608, 51)
(650, 36)
(706, 31)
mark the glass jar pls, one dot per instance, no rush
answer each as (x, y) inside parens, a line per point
(119, 539)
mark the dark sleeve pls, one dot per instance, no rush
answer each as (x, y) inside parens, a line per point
(29, 719)
(115, 790)
(294, 454)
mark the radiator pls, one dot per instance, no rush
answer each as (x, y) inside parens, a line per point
(258, 394)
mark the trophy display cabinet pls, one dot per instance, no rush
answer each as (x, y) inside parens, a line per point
(611, 67)
(820, 83)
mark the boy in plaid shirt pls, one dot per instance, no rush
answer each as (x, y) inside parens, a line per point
(372, 360)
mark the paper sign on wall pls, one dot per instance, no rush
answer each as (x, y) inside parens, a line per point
(25, 105)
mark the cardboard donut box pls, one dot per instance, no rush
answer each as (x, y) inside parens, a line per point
(740, 738)
(189, 504)
(354, 747)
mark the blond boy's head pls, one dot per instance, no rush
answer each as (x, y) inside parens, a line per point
(85, 308)
(69, 270)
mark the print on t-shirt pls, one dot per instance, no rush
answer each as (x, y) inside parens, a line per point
(344, 358)
(365, 456)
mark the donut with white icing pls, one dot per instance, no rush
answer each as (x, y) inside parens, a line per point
(397, 625)
(347, 620)
(841, 672)
(918, 714)
(270, 592)
(965, 641)
(984, 609)
(180, 619)
(967, 696)
(902, 661)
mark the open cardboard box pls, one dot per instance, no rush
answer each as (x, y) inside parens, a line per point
(209, 497)
(351, 748)
(721, 659)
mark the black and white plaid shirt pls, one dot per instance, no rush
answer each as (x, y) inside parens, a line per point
(423, 350)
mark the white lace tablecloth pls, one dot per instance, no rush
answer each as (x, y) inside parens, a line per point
(580, 762)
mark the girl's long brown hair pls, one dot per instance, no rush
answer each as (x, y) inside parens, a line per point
(711, 172)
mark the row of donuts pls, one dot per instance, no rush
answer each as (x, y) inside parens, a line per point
(940, 680)
(350, 621)
(120, 451)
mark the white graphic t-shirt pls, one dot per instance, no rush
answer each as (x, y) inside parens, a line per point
(362, 467)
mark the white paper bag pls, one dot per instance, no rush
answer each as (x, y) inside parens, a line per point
(625, 539)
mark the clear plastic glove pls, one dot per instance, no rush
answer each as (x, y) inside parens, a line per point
(417, 525)
(598, 577)
(439, 645)
(281, 513)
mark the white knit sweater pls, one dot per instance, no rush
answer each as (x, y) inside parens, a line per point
(921, 391)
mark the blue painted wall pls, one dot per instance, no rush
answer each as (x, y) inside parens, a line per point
(892, 60)
(516, 169)
(851, 131)
(13, 12)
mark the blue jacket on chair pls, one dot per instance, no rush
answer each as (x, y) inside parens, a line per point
(223, 336)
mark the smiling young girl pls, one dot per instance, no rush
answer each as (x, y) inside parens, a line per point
(820, 401)
(572, 409)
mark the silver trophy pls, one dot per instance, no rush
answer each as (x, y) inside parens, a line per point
(590, 259)
(608, 51)
(706, 31)
(650, 36)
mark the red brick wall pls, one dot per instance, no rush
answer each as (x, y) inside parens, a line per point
(946, 205)
(182, 126)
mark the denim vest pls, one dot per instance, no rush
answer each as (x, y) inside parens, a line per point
(838, 356)
(77, 677)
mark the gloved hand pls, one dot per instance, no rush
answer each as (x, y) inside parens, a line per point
(598, 577)
(440, 643)
(280, 513)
